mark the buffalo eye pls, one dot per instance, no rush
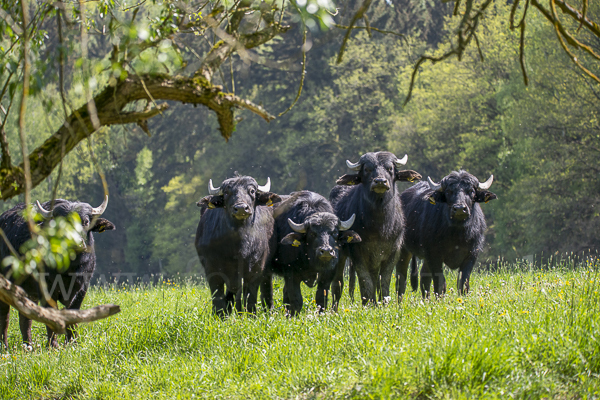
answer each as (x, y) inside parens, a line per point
(85, 222)
(389, 168)
(368, 169)
(252, 191)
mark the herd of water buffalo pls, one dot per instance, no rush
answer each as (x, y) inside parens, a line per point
(247, 234)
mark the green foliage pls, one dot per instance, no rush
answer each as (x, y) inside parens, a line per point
(524, 334)
(53, 246)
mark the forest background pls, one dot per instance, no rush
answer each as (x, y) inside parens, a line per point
(541, 141)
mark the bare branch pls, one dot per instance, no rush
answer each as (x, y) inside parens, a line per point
(359, 14)
(522, 52)
(57, 320)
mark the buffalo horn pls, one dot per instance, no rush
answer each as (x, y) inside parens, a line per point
(486, 185)
(353, 166)
(212, 190)
(433, 185)
(402, 161)
(101, 208)
(345, 225)
(46, 214)
(266, 188)
(300, 228)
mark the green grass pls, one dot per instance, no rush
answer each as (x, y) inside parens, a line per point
(517, 334)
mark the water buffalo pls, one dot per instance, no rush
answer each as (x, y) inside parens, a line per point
(310, 236)
(235, 240)
(371, 194)
(444, 225)
(68, 287)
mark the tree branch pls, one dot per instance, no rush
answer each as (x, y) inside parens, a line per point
(57, 320)
(109, 105)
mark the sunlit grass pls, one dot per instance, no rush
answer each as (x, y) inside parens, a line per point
(524, 335)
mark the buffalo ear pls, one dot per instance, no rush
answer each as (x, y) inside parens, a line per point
(102, 225)
(348, 179)
(267, 199)
(483, 196)
(408, 176)
(436, 197)
(349, 236)
(211, 202)
(294, 238)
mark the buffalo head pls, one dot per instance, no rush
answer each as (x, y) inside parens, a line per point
(90, 216)
(322, 233)
(239, 196)
(378, 172)
(460, 191)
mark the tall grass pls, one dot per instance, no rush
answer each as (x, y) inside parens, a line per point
(520, 334)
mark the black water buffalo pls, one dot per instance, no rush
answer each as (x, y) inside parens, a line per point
(235, 240)
(371, 194)
(310, 236)
(444, 225)
(68, 287)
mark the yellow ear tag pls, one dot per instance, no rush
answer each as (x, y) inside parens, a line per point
(296, 243)
(431, 200)
(211, 205)
(349, 239)
(269, 203)
(487, 198)
(101, 229)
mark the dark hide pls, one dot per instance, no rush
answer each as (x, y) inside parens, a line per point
(69, 287)
(442, 227)
(311, 256)
(235, 241)
(371, 194)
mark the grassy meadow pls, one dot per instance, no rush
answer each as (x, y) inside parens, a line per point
(527, 334)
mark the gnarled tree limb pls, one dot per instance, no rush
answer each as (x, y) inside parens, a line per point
(57, 320)
(109, 105)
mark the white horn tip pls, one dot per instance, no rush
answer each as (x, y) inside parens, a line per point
(403, 160)
(267, 187)
(487, 184)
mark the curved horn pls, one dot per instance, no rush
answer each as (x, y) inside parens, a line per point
(353, 166)
(45, 213)
(345, 225)
(266, 188)
(300, 228)
(212, 190)
(433, 185)
(100, 209)
(402, 161)
(486, 185)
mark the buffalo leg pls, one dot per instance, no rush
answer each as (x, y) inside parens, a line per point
(294, 292)
(385, 279)
(266, 291)
(4, 320)
(402, 273)
(250, 292)
(439, 282)
(25, 326)
(337, 286)
(464, 275)
(351, 282)
(414, 274)
(71, 333)
(323, 285)
(425, 280)
(366, 282)
(217, 290)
